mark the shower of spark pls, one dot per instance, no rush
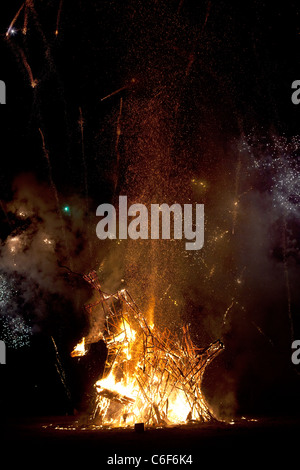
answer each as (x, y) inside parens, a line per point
(280, 160)
(15, 331)
(5, 292)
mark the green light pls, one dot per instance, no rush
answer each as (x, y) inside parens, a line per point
(67, 209)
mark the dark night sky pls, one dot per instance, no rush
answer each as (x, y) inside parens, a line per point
(200, 81)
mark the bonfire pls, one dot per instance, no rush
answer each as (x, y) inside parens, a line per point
(151, 376)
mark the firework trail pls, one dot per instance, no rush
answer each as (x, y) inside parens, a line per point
(81, 125)
(206, 17)
(125, 87)
(58, 17)
(287, 280)
(28, 4)
(17, 49)
(60, 370)
(179, 6)
(10, 28)
(19, 52)
(119, 132)
(257, 328)
(262, 333)
(236, 202)
(227, 311)
(114, 93)
(46, 154)
(24, 30)
(33, 82)
(192, 53)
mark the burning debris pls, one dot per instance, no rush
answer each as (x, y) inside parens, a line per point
(150, 376)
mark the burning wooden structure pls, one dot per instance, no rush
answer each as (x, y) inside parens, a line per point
(150, 376)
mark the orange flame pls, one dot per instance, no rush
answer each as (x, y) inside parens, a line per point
(79, 349)
(150, 375)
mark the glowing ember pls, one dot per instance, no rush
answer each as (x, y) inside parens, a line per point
(150, 376)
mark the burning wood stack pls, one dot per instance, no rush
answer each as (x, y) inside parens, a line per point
(150, 376)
